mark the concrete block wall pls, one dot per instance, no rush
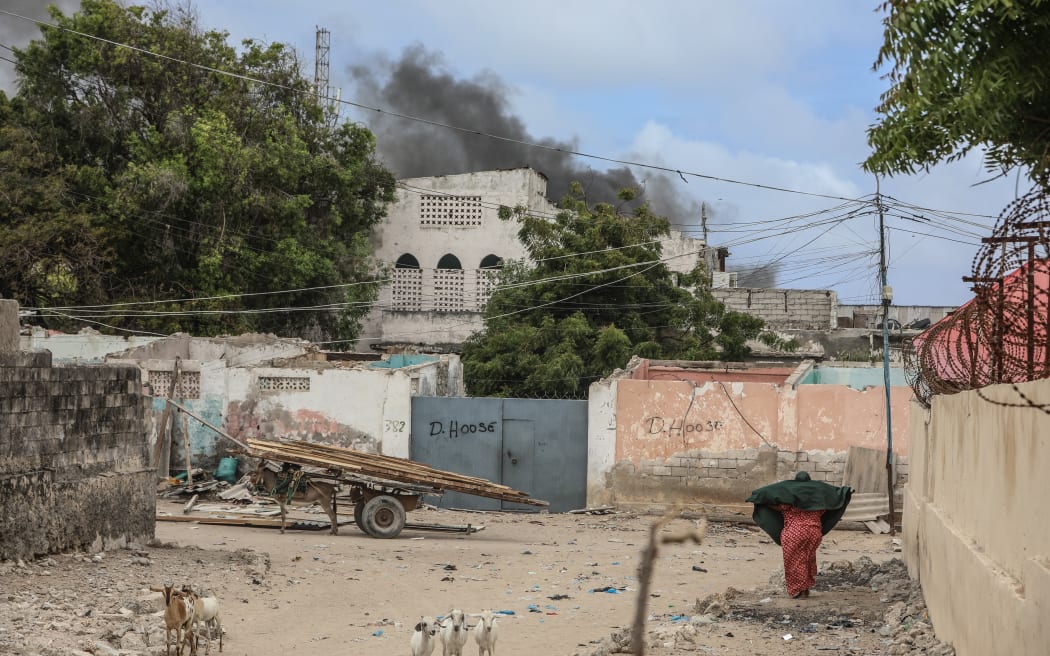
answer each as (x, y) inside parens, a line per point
(724, 477)
(794, 309)
(74, 458)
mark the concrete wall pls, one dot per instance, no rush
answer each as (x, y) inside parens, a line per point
(800, 309)
(404, 230)
(867, 314)
(361, 407)
(975, 529)
(410, 309)
(364, 409)
(694, 442)
(74, 457)
(237, 350)
(82, 348)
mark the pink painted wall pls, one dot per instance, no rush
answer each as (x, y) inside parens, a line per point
(835, 417)
(656, 420)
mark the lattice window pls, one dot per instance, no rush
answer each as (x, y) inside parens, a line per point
(189, 384)
(283, 384)
(455, 211)
(449, 286)
(487, 279)
(407, 289)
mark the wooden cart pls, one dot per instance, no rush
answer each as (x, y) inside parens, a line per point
(382, 488)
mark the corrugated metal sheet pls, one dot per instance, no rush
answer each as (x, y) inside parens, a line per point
(866, 507)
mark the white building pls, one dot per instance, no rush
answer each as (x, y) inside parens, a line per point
(443, 242)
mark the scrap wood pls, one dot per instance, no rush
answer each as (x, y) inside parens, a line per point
(599, 510)
(238, 510)
(190, 505)
(385, 467)
(356, 460)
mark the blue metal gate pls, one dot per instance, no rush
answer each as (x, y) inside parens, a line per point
(533, 445)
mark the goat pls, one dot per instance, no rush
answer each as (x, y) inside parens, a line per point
(453, 633)
(423, 638)
(323, 493)
(485, 633)
(206, 611)
(178, 617)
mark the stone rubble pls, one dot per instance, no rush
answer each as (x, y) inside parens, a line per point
(906, 629)
(123, 617)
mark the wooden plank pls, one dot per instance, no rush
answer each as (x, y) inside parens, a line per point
(385, 467)
(186, 446)
(363, 462)
(162, 429)
(375, 462)
(207, 423)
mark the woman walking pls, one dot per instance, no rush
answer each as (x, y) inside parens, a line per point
(797, 514)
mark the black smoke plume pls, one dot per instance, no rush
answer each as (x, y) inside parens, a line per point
(418, 85)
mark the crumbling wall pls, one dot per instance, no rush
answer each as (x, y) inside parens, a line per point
(800, 309)
(74, 459)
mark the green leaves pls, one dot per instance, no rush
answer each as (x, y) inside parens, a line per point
(596, 293)
(964, 75)
(141, 178)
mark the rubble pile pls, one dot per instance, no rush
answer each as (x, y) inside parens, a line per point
(101, 604)
(896, 623)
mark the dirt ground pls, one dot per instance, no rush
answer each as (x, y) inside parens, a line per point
(313, 593)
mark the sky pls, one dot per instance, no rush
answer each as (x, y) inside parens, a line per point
(774, 93)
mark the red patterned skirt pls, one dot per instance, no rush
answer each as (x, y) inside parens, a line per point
(799, 540)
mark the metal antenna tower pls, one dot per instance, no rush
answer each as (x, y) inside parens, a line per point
(327, 96)
(322, 63)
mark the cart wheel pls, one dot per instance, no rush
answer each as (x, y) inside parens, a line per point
(383, 517)
(359, 513)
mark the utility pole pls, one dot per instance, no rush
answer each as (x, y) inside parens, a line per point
(709, 261)
(887, 298)
(703, 220)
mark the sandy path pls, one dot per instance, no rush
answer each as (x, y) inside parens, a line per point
(330, 594)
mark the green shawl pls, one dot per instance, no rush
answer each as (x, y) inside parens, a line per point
(804, 494)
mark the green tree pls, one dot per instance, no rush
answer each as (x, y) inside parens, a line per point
(142, 178)
(964, 74)
(597, 291)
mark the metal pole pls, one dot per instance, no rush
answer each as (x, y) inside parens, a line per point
(887, 298)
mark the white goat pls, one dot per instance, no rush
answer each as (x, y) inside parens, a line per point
(206, 611)
(453, 633)
(423, 638)
(485, 633)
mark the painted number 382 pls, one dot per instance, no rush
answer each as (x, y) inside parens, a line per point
(395, 426)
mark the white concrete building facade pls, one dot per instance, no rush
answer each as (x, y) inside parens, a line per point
(443, 243)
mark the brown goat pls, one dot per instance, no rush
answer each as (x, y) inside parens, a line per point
(323, 493)
(178, 617)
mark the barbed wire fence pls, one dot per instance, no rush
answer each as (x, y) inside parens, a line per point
(1003, 334)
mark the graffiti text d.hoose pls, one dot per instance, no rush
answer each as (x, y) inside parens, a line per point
(454, 429)
(670, 425)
